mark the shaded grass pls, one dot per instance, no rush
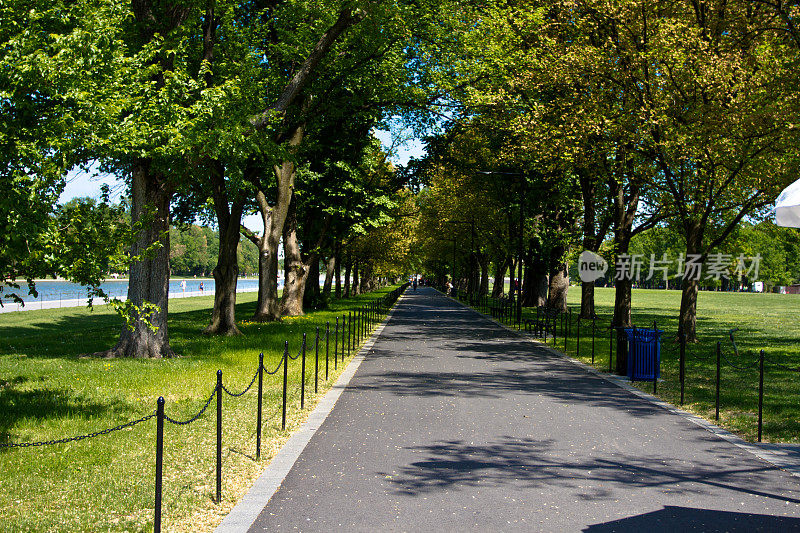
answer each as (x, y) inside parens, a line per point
(49, 390)
(766, 321)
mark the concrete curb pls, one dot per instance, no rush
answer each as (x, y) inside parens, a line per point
(245, 513)
(784, 461)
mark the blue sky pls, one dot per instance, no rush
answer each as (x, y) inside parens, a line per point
(87, 183)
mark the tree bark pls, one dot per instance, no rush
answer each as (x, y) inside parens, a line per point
(355, 290)
(338, 273)
(226, 273)
(367, 282)
(295, 271)
(299, 270)
(311, 295)
(483, 260)
(330, 272)
(624, 211)
(587, 299)
(148, 280)
(541, 284)
(512, 272)
(687, 318)
(559, 280)
(347, 268)
(527, 284)
(498, 287)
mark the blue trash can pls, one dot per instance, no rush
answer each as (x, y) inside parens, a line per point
(644, 353)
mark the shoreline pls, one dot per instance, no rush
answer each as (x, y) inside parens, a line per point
(60, 280)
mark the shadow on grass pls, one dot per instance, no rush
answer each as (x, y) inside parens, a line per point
(44, 404)
(69, 334)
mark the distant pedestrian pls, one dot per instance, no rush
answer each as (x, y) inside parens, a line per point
(201, 286)
(183, 285)
(414, 284)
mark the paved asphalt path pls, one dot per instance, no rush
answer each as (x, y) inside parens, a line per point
(453, 423)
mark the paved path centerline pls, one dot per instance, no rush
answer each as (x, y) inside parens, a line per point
(453, 423)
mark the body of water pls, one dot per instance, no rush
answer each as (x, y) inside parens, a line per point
(55, 294)
(50, 291)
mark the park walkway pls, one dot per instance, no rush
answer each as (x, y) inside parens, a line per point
(453, 423)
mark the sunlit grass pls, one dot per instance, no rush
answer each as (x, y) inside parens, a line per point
(766, 321)
(769, 322)
(50, 390)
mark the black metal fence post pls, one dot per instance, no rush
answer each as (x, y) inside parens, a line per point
(327, 346)
(682, 363)
(611, 347)
(349, 332)
(316, 363)
(303, 375)
(336, 345)
(219, 436)
(760, 392)
(569, 321)
(593, 329)
(260, 403)
(578, 342)
(716, 397)
(285, 382)
(159, 461)
(655, 360)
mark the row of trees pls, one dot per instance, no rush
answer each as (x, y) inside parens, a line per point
(593, 121)
(215, 109)
(774, 250)
(565, 123)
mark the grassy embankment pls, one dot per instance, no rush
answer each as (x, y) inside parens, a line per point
(49, 390)
(766, 321)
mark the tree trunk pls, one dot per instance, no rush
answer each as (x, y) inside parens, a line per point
(511, 278)
(311, 296)
(559, 281)
(498, 287)
(527, 284)
(226, 273)
(687, 319)
(483, 289)
(268, 308)
(587, 299)
(355, 290)
(148, 280)
(338, 274)
(330, 272)
(347, 267)
(367, 283)
(541, 284)
(295, 271)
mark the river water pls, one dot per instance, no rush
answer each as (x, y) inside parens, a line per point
(50, 291)
(55, 294)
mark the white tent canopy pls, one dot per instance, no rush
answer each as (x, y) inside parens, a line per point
(787, 207)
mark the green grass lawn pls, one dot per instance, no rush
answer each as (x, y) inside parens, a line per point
(766, 321)
(50, 390)
(769, 322)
